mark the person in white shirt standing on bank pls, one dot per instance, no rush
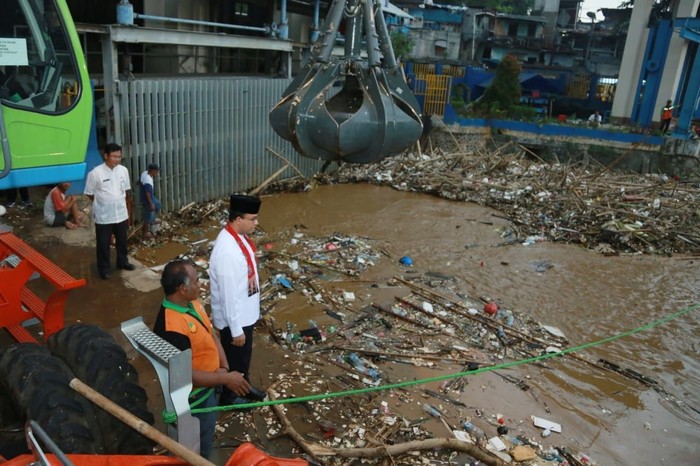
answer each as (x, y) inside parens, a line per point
(109, 189)
(235, 287)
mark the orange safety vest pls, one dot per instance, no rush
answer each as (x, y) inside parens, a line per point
(667, 113)
(205, 353)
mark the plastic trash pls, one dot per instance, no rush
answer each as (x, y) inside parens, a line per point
(355, 361)
(475, 432)
(282, 281)
(430, 410)
(407, 261)
(491, 308)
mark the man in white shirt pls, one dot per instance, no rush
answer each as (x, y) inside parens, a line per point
(595, 119)
(109, 189)
(235, 286)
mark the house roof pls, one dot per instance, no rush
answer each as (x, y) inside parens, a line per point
(392, 9)
(537, 19)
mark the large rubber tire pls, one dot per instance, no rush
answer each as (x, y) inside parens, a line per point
(96, 359)
(36, 385)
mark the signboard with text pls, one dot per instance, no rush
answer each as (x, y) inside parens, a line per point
(13, 52)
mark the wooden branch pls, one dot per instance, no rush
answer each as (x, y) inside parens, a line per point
(311, 449)
(286, 161)
(429, 444)
(316, 451)
(268, 180)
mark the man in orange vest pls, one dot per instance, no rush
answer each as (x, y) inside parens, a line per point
(183, 322)
(666, 116)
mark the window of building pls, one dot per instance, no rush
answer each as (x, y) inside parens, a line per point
(241, 9)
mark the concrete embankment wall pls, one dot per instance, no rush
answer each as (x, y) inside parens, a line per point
(603, 147)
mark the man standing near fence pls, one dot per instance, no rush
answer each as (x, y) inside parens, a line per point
(149, 202)
(109, 189)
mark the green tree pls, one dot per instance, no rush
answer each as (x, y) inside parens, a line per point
(401, 43)
(504, 93)
(513, 7)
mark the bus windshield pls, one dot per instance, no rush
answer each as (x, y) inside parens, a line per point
(37, 67)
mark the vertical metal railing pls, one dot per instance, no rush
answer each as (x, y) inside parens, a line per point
(435, 92)
(209, 135)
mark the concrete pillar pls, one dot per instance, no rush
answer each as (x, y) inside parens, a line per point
(677, 50)
(632, 61)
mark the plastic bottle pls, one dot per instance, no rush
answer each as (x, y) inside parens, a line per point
(430, 410)
(355, 361)
(475, 432)
(510, 320)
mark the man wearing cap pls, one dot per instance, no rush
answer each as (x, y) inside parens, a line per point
(149, 202)
(235, 285)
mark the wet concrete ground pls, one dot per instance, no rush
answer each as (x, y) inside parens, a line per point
(588, 296)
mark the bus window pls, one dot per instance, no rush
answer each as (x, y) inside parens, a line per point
(37, 68)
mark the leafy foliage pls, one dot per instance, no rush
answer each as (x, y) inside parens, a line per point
(513, 7)
(504, 93)
(401, 43)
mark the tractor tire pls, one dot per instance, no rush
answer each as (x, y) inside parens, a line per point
(97, 360)
(35, 385)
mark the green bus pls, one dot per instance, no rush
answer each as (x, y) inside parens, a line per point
(46, 101)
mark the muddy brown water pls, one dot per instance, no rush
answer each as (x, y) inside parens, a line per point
(587, 295)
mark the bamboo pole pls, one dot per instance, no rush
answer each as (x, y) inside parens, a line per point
(138, 425)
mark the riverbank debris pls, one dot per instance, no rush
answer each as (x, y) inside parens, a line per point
(609, 211)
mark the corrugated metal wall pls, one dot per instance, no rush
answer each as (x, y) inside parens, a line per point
(209, 136)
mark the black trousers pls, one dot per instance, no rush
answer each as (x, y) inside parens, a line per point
(665, 125)
(103, 236)
(238, 357)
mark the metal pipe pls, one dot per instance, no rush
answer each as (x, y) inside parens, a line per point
(284, 27)
(330, 29)
(371, 35)
(265, 29)
(35, 428)
(317, 11)
(353, 29)
(384, 39)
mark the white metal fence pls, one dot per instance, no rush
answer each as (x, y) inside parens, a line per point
(209, 135)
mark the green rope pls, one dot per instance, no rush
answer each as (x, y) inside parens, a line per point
(170, 418)
(440, 378)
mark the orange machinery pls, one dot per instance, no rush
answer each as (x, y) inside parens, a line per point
(20, 263)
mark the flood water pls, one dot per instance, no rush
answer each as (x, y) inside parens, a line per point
(590, 297)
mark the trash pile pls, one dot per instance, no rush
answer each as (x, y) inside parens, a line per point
(605, 210)
(354, 348)
(353, 342)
